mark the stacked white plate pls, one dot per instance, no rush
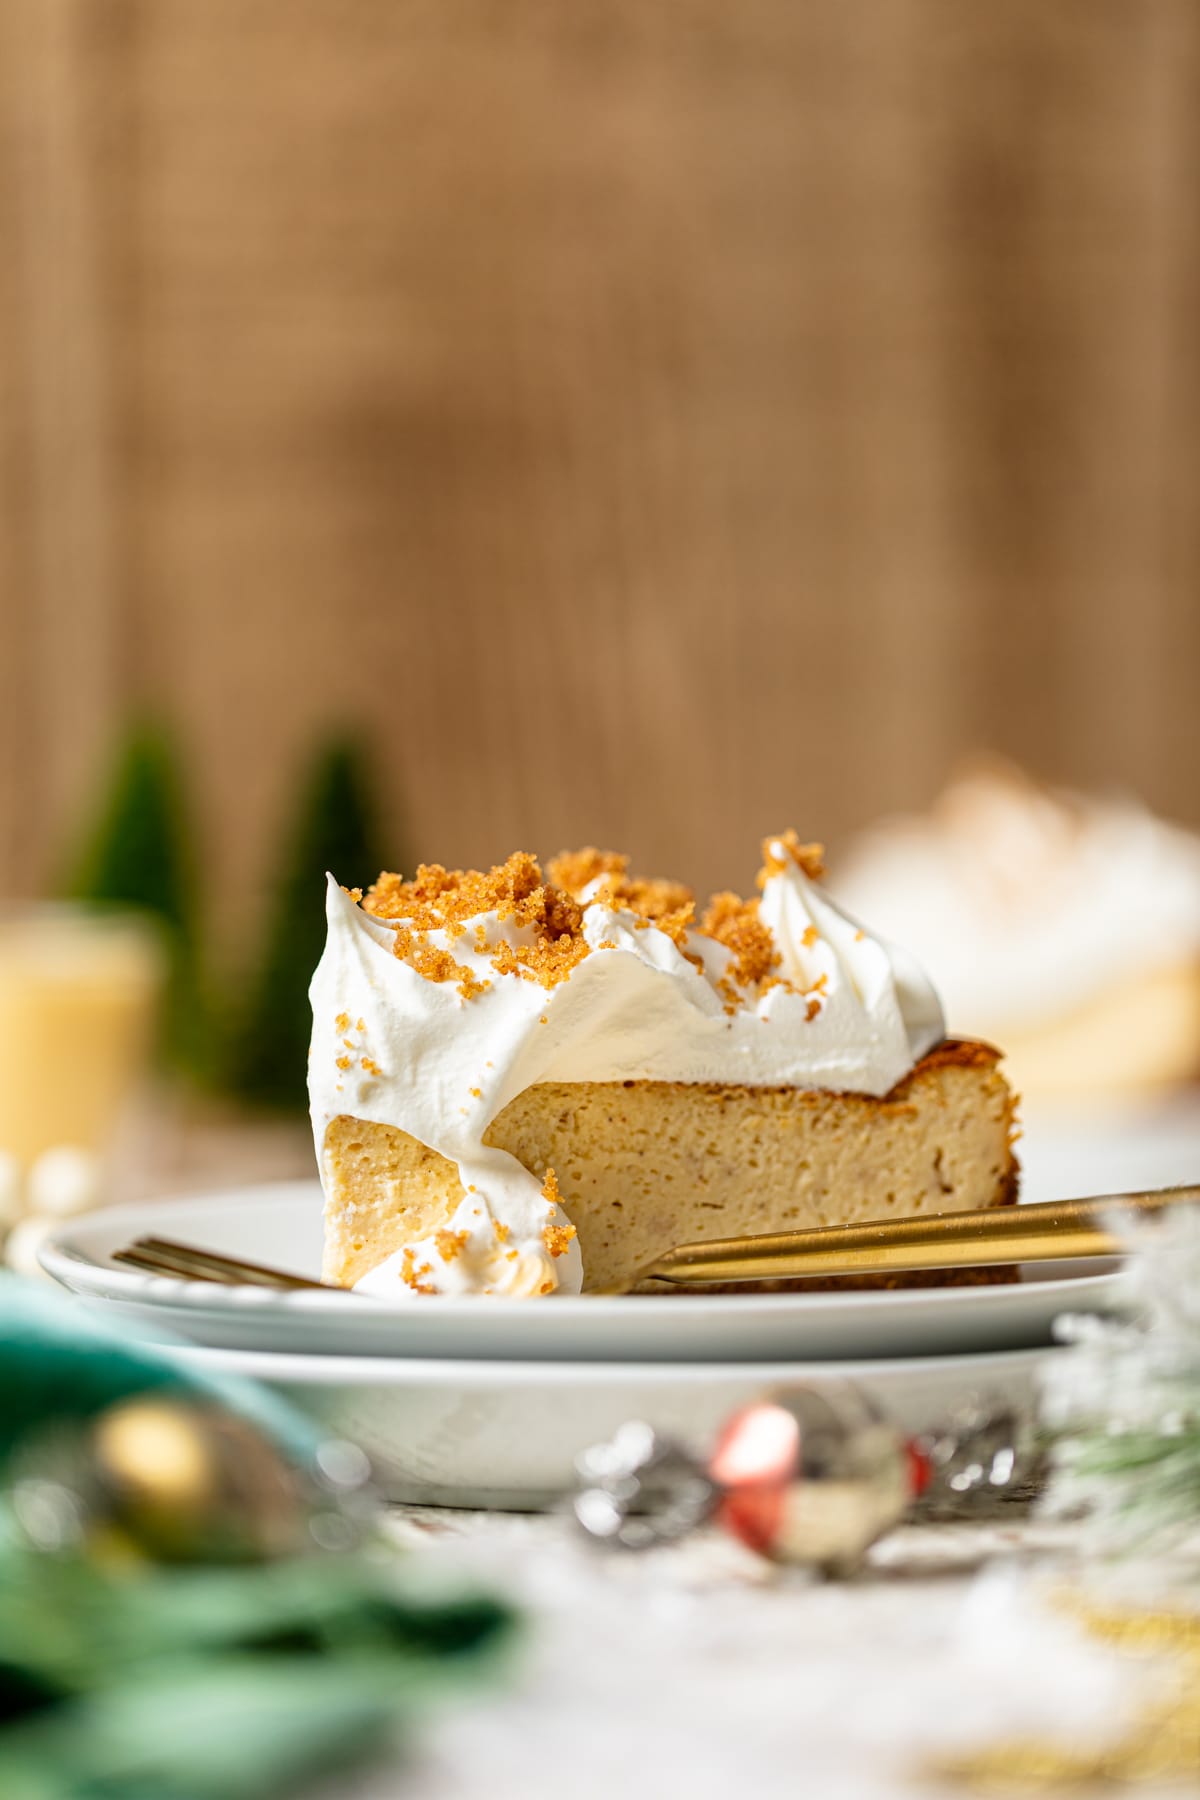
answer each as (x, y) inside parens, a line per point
(483, 1402)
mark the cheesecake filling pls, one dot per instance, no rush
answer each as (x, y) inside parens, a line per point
(431, 1017)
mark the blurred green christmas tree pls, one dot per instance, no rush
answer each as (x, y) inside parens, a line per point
(138, 855)
(334, 829)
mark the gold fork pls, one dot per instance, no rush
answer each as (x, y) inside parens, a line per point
(1048, 1231)
(166, 1256)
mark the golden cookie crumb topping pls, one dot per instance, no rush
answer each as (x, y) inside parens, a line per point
(808, 858)
(414, 1277)
(439, 899)
(550, 909)
(736, 923)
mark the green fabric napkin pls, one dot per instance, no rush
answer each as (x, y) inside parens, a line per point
(206, 1683)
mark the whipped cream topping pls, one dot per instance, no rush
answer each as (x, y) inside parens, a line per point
(1026, 903)
(841, 1010)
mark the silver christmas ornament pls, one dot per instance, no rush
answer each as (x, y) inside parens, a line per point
(640, 1489)
(981, 1457)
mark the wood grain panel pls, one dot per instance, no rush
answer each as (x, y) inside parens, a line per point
(17, 579)
(650, 424)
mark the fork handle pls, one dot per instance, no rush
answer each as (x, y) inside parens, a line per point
(1045, 1232)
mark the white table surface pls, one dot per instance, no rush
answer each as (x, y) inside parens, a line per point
(699, 1671)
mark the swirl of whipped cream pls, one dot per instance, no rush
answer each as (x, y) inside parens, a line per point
(838, 1010)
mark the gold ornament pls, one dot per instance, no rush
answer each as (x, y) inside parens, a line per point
(1162, 1745)
(186, 1481)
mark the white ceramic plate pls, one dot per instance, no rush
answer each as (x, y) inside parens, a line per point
(281, 1224)
(461, 1433)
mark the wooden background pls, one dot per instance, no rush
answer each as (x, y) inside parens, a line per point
(652, 422)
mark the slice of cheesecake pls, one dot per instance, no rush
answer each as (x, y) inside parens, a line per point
(642, 1165)
(525, 1083)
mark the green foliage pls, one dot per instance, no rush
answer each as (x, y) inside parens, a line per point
(215, 1684)
(334, 830)
(1147, 1480)
(138, 856)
